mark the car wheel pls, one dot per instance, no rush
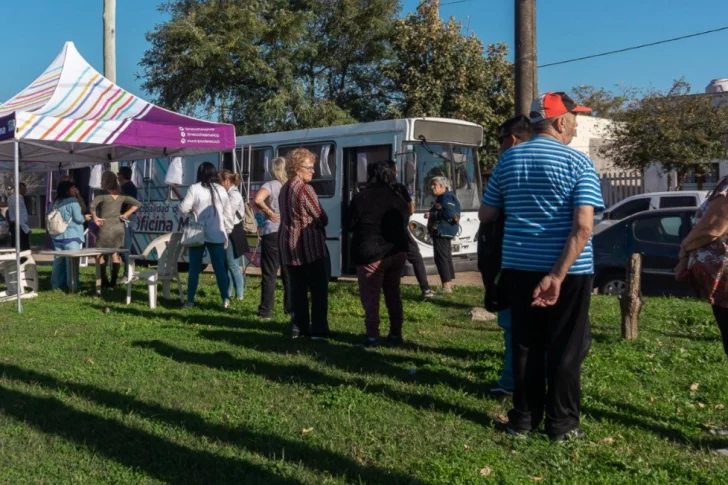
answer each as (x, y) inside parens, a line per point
(612, 284)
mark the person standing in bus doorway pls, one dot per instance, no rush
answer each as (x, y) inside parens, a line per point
(414, 257)
(443, 223)
(490, 246)
(211, 205)
(302, 243)
(270, 260)
(127, 188)
(378, 218)
(549, 193)
(236, 279)
(24, 227)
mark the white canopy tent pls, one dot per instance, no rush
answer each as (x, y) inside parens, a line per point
(73, 117)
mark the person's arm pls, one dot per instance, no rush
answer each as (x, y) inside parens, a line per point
(188, 202)
(712, 226)
(351, 217)
(228, 213)
(94, 204)
(449, 207)
(260, 198)
(133, 204)
(311, 204)
(411, 206)
(492, 203)
(76, 214)
(488, 214)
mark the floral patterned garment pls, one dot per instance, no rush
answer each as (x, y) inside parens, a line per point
(707, 266)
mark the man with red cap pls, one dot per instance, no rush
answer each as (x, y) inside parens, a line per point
(549, 193)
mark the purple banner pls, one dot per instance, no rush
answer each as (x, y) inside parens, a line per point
(7, 127)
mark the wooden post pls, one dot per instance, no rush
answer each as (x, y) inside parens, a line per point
(631, 300)
(110, 40)
(525, 55)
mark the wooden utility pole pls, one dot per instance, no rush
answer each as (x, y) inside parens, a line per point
(110, 40)
(631, 300)
(526, 78)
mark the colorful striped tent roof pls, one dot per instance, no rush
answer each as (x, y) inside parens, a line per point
(71, 116)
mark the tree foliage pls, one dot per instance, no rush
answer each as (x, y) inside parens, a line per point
(679, 130)
(603, 103)
(438, 71)
(272, 65)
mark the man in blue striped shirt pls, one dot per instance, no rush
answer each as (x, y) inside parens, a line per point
(549, 193)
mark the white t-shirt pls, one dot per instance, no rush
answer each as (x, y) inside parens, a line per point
(218, 220)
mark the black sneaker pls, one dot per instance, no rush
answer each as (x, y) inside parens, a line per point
(516, 432)
(500, 392)
(395, 339)
(574, 434)
(371, 342)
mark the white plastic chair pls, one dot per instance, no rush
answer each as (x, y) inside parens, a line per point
(168, 249)
(28, 278)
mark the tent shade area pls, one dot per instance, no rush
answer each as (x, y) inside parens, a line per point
(73, 117)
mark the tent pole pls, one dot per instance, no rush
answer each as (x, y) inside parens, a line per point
(18, 288)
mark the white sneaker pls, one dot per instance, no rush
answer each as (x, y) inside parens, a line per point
(188, 305)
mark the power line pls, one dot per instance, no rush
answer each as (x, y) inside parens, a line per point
(456, 1)
(641, 46)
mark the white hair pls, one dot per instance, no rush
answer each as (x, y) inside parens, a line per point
(441, 181)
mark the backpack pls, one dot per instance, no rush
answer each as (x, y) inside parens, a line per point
(249, 223)
(55, 223)
(490, 259)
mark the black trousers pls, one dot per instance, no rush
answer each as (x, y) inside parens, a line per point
(721, 316)
(443, 258)
(24, 238)
(418, 264)
(270, 261)
(558, 335)
(313, 278)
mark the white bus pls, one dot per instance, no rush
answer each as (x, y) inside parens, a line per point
(423, 148)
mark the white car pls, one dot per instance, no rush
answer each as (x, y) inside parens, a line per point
(645, 202)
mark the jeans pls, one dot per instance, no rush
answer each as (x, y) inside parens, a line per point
(721, 317)
(506, 378)
(384, 275)
(270, 261)
(313, 278)
(61, 271)
(236, 278)
(217, 258)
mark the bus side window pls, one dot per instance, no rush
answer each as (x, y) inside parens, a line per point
(324, 175)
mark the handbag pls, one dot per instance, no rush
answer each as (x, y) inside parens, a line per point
(193, 234)
(55, 223)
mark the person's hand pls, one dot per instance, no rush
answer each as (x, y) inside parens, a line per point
(87, 217)
(274, 217)
(681, 270)
(98, 221)
(438, 206)
(547, 292)
(225, 244)
(123, 218)
(427, 215)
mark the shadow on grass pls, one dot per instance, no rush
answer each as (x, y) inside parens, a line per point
(302, 374)
(164, 460)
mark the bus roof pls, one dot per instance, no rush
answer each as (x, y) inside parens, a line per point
(407, 125)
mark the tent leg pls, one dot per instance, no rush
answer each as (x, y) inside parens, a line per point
(18, 289)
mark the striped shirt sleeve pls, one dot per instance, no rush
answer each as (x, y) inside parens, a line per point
(492, 195)
(588, 191)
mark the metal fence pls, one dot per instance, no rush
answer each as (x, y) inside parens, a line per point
(617, 186)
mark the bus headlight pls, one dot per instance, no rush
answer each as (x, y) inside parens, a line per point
(420, 232)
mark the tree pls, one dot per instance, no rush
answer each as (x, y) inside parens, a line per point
(603, 103)
(679, 130)
(272, 65)
(438, 71)
(31, 180)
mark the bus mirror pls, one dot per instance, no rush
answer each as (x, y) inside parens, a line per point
(409, 172)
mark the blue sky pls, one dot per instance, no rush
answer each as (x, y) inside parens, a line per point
(34, 32)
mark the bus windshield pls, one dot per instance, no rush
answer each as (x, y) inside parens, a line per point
(457, 163)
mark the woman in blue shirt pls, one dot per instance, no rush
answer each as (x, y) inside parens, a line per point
(71, 238)
(444, 224)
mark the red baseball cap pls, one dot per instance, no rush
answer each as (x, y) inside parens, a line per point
(551, 105)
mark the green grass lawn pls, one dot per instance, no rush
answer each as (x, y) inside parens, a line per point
(209, 396)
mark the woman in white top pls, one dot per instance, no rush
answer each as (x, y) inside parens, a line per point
(236, 278)
(267, 201)
(210, 203)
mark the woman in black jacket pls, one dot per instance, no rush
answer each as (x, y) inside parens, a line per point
(378, 218)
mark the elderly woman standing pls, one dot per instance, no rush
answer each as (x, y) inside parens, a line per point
(211, 205)
(302, 243)
(378, 218)
(443, 223)
(267, 201)
(111, 226)
(236, 278)
(703, 261)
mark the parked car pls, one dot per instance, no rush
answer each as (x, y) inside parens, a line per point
(4, 228)
(645, 202)
(656, 235)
